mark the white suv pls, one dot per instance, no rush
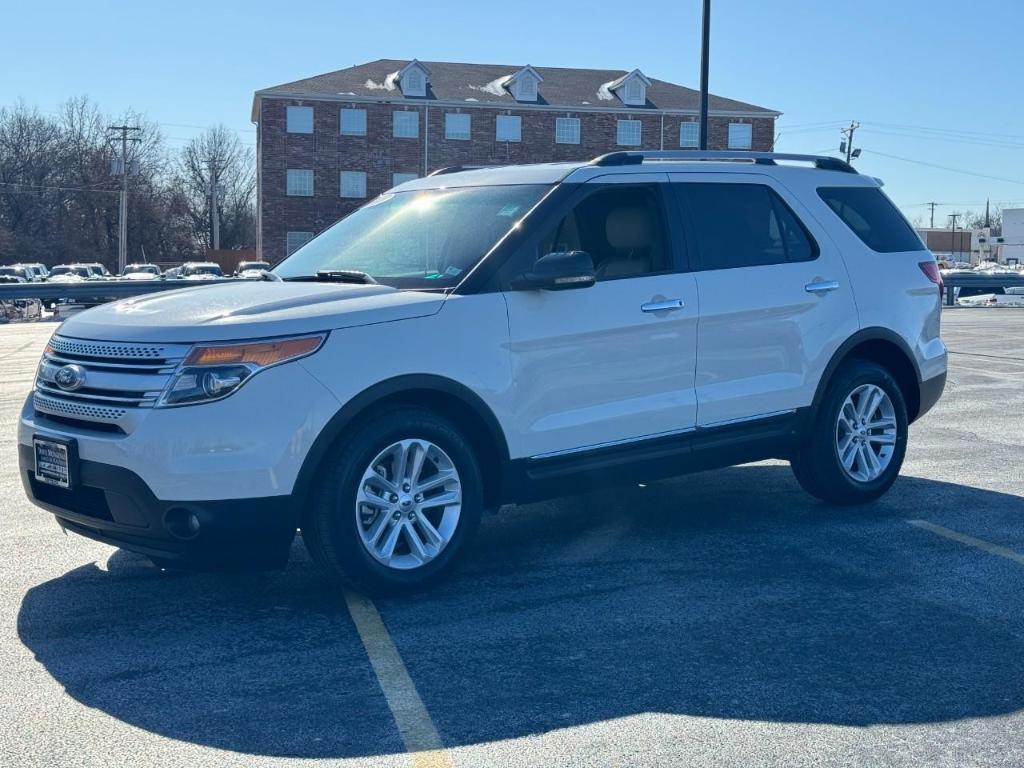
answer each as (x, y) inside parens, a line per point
(481, 337)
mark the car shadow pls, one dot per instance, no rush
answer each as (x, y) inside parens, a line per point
(727, 594)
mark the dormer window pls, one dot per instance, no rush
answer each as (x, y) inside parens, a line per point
(523, 84)
(413, 78)
(631, 88)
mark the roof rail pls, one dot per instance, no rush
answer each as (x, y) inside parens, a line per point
(822, 162)
(458, 169)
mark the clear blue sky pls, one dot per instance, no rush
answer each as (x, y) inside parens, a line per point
(932, 81)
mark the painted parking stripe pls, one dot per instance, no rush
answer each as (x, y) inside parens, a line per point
(419, 735)
(970, 541)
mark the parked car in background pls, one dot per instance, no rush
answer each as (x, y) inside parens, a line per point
(26, 273)
(174, 273)
(141, 272)
(40, 268)
(70, 273)
(99, 270)
(251, 270)
(201, 270)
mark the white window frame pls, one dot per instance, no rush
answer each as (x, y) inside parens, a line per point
(508, 128)
(401, 178)
(454, 133)
(296, 182)
(295, 124)
(358, 116)
(634, 92)
(400, 123)
(567, 130)
(736, 142)
(691, 127)
(305, 236)
(352, 184)
(629, 133)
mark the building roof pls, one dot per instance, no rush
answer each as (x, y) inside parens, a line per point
(451, 82)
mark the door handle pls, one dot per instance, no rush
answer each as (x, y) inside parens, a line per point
(666, 305)
(822, 287)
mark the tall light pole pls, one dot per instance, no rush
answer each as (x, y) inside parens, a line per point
(705, 53)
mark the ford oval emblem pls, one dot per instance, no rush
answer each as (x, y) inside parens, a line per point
(70, 377)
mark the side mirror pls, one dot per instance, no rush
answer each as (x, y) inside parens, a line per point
(558, 271)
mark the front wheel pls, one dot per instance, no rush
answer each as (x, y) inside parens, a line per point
(858, 438)
(396, 504)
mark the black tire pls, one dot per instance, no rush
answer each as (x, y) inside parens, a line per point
(329, 528)
(816, 463)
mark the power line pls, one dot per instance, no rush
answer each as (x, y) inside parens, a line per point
(945, 167)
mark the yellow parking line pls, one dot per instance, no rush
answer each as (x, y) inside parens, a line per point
(970, 541)
(414, 724)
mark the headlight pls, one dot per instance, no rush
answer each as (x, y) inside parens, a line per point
(214, 371)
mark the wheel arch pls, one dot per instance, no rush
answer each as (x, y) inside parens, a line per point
(889, 350)
(447, 397)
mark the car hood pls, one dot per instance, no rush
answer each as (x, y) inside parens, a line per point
(246, 310)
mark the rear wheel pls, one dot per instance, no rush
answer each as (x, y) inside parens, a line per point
(856, 443)
(396, 504)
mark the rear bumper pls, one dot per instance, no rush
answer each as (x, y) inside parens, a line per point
(114, 505)
(931, 391)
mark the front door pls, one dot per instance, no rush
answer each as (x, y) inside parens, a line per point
(615, 362)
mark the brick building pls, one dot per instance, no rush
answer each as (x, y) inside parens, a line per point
(327, 143)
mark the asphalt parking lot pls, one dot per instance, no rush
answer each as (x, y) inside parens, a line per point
(718, 619)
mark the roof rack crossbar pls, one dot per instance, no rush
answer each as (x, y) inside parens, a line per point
(822, 162)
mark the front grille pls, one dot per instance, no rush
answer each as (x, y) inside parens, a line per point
(115, 379)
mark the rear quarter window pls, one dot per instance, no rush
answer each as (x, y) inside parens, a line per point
(872, 217)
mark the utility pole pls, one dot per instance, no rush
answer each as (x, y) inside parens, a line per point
(848, 142)
(122, 235)
(214, 208)
(705, 54)
(932, 206)
(952, 237)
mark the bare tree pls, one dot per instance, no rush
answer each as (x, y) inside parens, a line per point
(219, 155)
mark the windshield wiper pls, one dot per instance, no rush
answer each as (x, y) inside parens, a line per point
(343, 276)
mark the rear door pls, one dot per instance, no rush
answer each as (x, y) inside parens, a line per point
(775, 298)
(615, 362)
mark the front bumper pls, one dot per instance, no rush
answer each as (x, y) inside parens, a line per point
(114, 505)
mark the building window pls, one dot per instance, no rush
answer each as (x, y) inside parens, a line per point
(401, 178)
(414, 83)
(300, 182)
(689, 134)
(353, 122)
(406, 125)
(353, 183)
(634, 92)
(740, 135)
(508, 128)
(456, 126)
(295, 240)
(526, 88)
(300, 119)
(628, 133)
(567, 130)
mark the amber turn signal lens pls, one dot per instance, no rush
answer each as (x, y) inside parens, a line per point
(259, 353)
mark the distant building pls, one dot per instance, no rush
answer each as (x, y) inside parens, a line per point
(1013, 235)
(947, 244)
(327, 143)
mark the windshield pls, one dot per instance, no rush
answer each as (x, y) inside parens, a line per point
(80, 271)
(203, 270)
(253, 265)
(416, 239)
(147, 268)
(12, 271)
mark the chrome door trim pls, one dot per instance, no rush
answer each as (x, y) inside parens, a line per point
(822, 287)
(665, 305)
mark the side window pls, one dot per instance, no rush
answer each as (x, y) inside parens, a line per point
(744, 225)
(872, 217)
(621, 227)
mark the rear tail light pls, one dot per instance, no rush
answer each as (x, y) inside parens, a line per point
(931, 271)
